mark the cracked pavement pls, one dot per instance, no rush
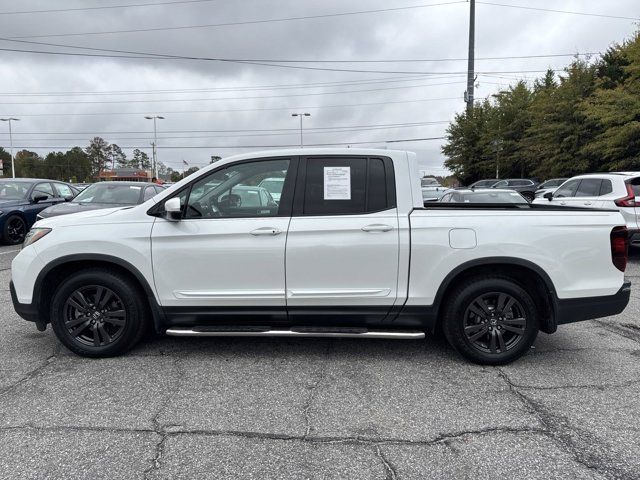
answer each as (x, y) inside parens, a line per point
(321, 408)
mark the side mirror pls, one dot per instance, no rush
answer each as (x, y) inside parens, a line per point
(173, 210)
(68, 198)
(39, 198)
(548, 196)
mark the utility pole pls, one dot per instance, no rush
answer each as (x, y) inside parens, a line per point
(155, 142)
(11, 119)
(471, 74)
(301, 115)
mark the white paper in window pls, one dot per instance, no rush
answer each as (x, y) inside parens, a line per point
(337, 183)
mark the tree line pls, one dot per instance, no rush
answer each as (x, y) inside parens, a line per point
(82, 164)
(586, 119)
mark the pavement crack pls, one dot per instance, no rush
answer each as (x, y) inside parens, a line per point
(306, 409)
(585, 448)
(628, 331)
(159, 428)
(389, 468)
(33, 373)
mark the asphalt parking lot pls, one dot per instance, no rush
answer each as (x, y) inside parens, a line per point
(317, 408)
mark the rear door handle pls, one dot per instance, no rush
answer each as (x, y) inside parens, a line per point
(377, 228)
(563, 203)
(588, 203)
(265, 231)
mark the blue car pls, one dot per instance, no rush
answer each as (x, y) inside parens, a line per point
(21, 199)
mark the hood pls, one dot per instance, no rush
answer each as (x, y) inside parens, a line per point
(83, 217)
(73, 207)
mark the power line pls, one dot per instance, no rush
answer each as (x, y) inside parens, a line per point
(284, 61)
(244, 22)
(167, 112)
(250, 130)
(293, 145)
(235, 135)
(244, 62)
(106, 7)
(396, 79)
(586, 14)
(78, 102)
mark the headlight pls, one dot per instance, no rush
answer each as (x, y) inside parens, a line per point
(34, 235)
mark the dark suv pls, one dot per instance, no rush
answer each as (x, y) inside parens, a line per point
(524, 186)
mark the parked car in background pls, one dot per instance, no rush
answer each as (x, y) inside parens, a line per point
(488, 183)
(482, 195)
(524, 186)
(432, 190)
(274, 186)
(81, 186)
(549, 186)
(104, 195)
(21, 199)
(615, 191)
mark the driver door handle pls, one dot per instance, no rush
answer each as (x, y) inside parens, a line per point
(377, 228)
(266, 231)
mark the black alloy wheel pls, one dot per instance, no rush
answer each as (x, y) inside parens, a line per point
(15, 230)
(490, 319)
(494, 322)
(94, 316)
(99, 312)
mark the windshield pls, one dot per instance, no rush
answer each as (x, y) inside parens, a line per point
(13, 190)
(553, 183)
(111, 193)
(430, 182)
(273, 185)
(484, 183)
(493, 197)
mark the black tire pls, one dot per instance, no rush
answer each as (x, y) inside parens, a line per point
(496, 310)
(99, 313)
(15, 229)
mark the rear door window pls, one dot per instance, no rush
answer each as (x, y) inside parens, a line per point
(348, 185)
(589, 187)
(606, 187)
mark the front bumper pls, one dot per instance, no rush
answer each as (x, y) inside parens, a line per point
(28, 311)
(579, 309)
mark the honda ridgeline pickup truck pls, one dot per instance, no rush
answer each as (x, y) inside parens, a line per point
(347, 250)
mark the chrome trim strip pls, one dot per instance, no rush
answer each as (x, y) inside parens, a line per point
(391, 335)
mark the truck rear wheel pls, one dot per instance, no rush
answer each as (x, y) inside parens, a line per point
(490, 320)
(98, 313)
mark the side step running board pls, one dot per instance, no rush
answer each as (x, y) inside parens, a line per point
(295, 332)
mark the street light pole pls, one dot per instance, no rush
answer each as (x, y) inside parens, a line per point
(11, 119)
(301, 115)
(155, 142)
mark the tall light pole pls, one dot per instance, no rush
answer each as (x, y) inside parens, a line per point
(11, 119)
(301, 115)
(155, 142)
(469, 94)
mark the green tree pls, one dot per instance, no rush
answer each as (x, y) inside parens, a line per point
(615, 108)
(140, 160)
(99, 155)
(117, 156)
(5, 158)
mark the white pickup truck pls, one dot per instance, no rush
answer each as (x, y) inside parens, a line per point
(348, 250)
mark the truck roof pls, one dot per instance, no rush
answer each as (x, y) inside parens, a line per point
(315, 151)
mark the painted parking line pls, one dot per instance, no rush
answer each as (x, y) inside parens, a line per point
(9, 251)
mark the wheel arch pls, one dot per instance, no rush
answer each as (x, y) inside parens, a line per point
(530, 276)
(60, 268)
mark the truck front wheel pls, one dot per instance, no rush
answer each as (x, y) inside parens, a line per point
(490, 320)
(98, 313)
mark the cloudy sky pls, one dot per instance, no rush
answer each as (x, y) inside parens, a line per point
(282, 64)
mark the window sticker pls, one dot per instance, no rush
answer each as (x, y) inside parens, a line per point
(337, 183)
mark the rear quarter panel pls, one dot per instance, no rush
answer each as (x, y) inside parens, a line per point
(573, 248)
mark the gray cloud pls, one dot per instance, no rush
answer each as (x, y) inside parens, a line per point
(436, 32)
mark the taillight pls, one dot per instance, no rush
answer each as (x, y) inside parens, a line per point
(629, 200)
(620, 247)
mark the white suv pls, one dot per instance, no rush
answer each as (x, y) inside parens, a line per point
(616, 191)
